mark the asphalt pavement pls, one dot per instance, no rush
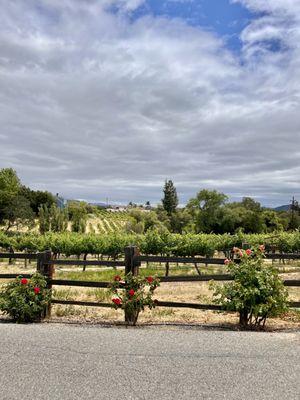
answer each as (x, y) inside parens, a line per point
(70, 362)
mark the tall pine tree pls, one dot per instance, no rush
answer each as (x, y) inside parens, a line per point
(170, 200)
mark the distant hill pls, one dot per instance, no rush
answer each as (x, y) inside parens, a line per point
(285, 207)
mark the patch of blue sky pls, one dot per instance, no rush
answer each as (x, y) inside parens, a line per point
(222, 17)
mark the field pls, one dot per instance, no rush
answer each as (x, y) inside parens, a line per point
(106, 222)
(102, 222)
(197, 292)
(110, 246)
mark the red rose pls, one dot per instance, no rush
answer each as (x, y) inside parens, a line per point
(248, 252)
(131, 292)
(36, 290)
(226, 261)
(24, 281)
(116, 300)
(117, 278)
(150, 279)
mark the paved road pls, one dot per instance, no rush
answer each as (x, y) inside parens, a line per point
(55, 361)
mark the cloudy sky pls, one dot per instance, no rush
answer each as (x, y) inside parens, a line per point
(108, 98)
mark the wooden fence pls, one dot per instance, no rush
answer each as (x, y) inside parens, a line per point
(131, 263)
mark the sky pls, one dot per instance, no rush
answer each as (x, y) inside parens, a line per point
(106, 99)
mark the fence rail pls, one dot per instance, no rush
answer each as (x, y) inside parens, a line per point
(131, 263)
(87, 262)
(24, 256)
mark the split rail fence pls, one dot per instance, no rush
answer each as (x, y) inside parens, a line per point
(132, 263)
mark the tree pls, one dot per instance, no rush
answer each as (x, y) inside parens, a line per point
(44, 219)
(59, 219)
(141, 221)
(9, 182)
(17, 213)
(9, 188)
(52, 219)
(246, 215)
(250, 204)
(78, 215)
(37, 198)
(205, 208)
(294, 215)
(180, 221)
(170, 200)
(272, 221)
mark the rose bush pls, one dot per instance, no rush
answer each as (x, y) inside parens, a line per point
(25, 300)
(133, 294)
(257, 292)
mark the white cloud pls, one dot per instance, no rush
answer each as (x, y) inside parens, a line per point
(130, 5)
(93, 105)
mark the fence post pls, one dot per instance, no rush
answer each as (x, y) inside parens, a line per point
(46, 269)
(131, 265)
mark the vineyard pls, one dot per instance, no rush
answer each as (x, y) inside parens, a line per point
(106, 222)
(152, 243)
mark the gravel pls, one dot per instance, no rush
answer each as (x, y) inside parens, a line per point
(60, 361)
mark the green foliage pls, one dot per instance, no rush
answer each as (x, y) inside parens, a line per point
(78, 214)
(206, 210)
(272, 221)
(181, 221)
(52, 219)
(18, 213)
(44, 219)
(256, 293)
(19, 204)
(9, 188)
(152, 242)
(9, 183)
(37, 198)
(133, 294)
(170, 200)
(24, 300)
(141, 221)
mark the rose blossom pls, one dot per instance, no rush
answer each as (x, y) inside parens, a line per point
(131, 292)
(117, 278)
(149, 279)
(24, 281)
(36, 290)
(248, 252)
(226, 261)
(116, 300)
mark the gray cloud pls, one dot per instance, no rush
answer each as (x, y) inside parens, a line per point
(95, 106)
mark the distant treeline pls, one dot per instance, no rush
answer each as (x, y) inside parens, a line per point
(208, 212)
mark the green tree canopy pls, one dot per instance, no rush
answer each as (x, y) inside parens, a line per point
(170, 199)
(9, 188)
(205, 208)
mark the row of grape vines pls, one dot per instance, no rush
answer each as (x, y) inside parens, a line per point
(112, 244)
(106, 222)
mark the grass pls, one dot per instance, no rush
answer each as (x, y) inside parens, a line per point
(88, 275)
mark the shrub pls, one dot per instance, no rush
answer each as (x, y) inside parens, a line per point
(257, 292)
(24, 299)
(132, 295)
